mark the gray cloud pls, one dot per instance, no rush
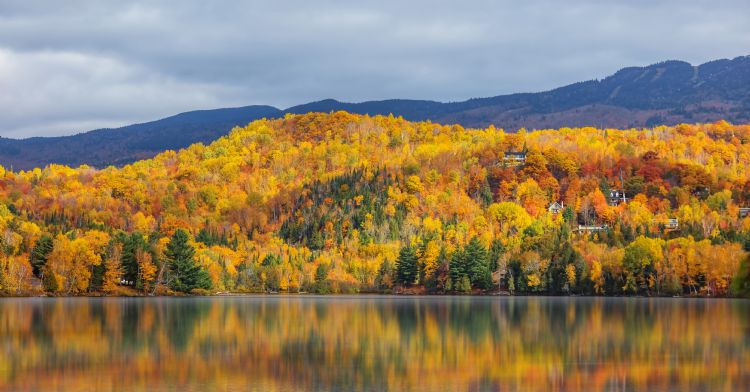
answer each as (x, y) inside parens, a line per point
(72, 66)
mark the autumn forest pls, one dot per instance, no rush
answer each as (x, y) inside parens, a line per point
(344, 203)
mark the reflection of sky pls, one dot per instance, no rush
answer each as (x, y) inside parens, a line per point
(374, 343)
(81, 65)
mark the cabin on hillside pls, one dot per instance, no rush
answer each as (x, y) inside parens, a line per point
(701, 192)
(616, 197)
(591, 228)
(555, 208)
(671, 224)
(512, 158)
(744, 212)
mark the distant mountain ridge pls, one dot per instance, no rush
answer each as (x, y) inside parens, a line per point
(666, 93)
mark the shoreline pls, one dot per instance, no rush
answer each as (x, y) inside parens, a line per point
(365, 295)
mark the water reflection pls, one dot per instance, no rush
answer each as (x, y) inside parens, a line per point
(374, 344)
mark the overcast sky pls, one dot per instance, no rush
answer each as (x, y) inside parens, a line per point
(71, 66)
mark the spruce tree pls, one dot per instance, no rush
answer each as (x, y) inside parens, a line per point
(407, 267)
(741, 282)
(131, 245)
(180, 257)
(458, 268)
(477, 261)
(39, 254)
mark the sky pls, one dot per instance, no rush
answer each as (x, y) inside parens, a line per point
(72, 66)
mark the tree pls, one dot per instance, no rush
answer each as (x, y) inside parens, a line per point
(49, 280)
(40, 254)
(72, 260)
(133, 246)
(384, 279)
(458, 268)
(478, 267)
(407, 268)
(638, 262)
(146, 270)
(112, 269)
(186, 274)
(741, 281)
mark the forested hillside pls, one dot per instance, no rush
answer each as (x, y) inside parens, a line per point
(339, 202)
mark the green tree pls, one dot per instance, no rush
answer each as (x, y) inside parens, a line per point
(39, 254)
(464, 286)
(458, 268)
(180, 257)
(407, 267)
(132, 245)
(496, 251)
(741, 281)
(478, 266)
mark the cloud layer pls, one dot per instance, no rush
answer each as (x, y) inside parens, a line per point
(68, 67)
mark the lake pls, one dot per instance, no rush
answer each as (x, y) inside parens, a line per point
(374, 343)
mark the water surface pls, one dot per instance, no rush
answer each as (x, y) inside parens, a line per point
(368, 343)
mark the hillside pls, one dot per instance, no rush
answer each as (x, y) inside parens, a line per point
(128, 144)
(667, 93)
(349, 203)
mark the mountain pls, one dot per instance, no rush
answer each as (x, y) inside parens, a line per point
(666, 93)
(120, 146)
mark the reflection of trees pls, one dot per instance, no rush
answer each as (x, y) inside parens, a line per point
(378, 343)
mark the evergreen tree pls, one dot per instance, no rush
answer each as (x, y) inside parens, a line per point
(568, 214)
(496, 251)
(39, 254)
(458, 268)
(180, 257)
(465, 286)
(132, 244)
(477, 260)
(741, 281)
(97, 277)
(407, 266)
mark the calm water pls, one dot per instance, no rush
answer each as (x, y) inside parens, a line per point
(290, 343)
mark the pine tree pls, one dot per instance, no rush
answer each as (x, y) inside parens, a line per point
(132, 245)
(407, 267)
(477, 261)
(741, 281)
(464, 285)
(457, 268)
(39, 254)
(496, 251)
(180, 257)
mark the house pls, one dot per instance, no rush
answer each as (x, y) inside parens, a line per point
(512, 158)
(555, 208)
(744, 212)
(616, 197)
(671, 224)
(591, 228)
(701, 192)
